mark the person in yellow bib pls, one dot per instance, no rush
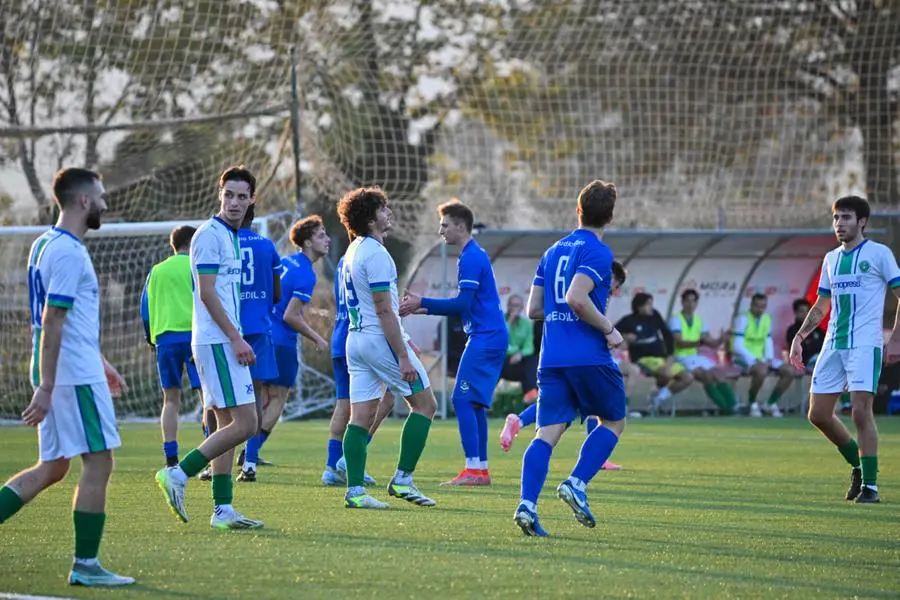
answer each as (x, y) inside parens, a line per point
(754, 352)
(650, 347)
(690, 333)
(166, 310)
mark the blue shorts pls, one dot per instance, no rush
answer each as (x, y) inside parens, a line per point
(171, 361)
(265, 368)
(478, 374)
(341, 378)
(566, 392)
(288, 366)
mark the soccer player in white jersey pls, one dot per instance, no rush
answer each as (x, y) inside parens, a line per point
(72, 407)
(854, 279)
(222, 356)
(378, 351)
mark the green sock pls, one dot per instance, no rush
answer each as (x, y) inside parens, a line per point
(10, 503)
(869, 470)
(751, 395)
(222, 489)
(356, 441)
(850, 452)
(193, 463)
(88, 533)
(727, 392)
(845, 399)
(774, 396)
(412, 441)
(713, 393)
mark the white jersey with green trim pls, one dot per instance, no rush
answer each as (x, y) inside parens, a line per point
(368, 268)
(857, 282)
(215, 250)
(61, 274)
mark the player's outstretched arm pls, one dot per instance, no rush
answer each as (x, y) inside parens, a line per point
(536, 303)
(296, 320)
(438, 306)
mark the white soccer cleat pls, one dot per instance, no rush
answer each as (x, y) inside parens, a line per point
(755, 410)
(232, 519)
(96, 576)
(364, 501)
(173, 489)
(775, 411)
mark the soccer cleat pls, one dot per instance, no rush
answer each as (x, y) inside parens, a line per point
(755, 410)
(341, 468)
(855, 483)
(96, 576)
(205, 474)
(528, 522)
(868, 495)
(611, 466)
(578, 502)
(469, 478)
(232, 519)
(173, 491)
(333, 477)
(485, 476)
(410, 493)
(261, 462)
(247, 475)
(773, 411)
(510, 431)
(363, 501)
(240, 459)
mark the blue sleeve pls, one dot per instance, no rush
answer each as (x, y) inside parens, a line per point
(303, 285)
(539, 274)
(276, 260)
(595, 263)
(145, 307)
(450, 306)
(468, 271)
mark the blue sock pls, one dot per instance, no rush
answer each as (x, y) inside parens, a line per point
(468, 427)
(529, 415)
(591, 424)
(170, 449)
(205, 430)
(481, 418)
(535, 465)
(254, 444)
(597, 447)
(370, 438)
(335, 452)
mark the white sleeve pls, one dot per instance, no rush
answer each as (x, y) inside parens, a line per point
(675, 324)
(769, 352)
(61, 272)
(380, 272)
(205, 255)
(825, 278)
(889, 269)
(740, 349)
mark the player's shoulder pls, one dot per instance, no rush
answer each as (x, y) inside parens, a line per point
(60, 244)
(876, 248)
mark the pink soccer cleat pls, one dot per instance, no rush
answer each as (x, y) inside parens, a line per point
(510, 431)
(611, 466)
(470, 478)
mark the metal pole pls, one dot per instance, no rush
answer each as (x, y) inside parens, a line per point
(295, 129)
(445, 330)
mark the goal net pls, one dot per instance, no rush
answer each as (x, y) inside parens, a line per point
(123, 255)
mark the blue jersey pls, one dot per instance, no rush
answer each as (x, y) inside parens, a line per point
(484, 318)
(567, 340)
(259, 267)
(298, 279)
(341, 316)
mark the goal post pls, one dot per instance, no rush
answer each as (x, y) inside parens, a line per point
(123, 254)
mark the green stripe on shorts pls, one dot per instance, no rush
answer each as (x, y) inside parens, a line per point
(90, 418)
(224, 374)
(876, 369)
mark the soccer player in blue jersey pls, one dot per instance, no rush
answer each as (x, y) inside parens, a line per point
(260, 291)
(482, 361)
(576, 372)
(298, 280)
(167, 307)
(335, 473)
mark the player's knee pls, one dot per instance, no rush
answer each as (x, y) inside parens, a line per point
(685, 377)
(172, 397)
(97, 466)
(818, 417)
(424, 404)
(54, 471)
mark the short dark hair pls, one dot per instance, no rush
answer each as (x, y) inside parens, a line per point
(618, 272)
(180, 238)
(68, 182)
(801, 302)
(304, 229)
(357, 209)
(689, 292)
(596, 203)
(639, 300)
(238, 173)
(859, 206)
(758, 296)
(457, 211)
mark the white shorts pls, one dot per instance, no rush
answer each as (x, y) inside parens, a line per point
(226, 383)
(774, 365)
(853, 370)
(372, 367)
(696, 361)
(81, 420)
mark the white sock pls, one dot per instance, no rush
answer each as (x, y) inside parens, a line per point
(249, 466)
(483, 465)
(872, 487)
(663, 395)
(86, 562)
(356, 490)
(402, 477)
(577, 484)
(472, 463)
(529, 505)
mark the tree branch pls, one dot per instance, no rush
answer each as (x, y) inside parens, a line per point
(407, 81)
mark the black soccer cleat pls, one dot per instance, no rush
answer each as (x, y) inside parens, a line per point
(247, 476)
(868, 496)
(240, 459)
(855, 483)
